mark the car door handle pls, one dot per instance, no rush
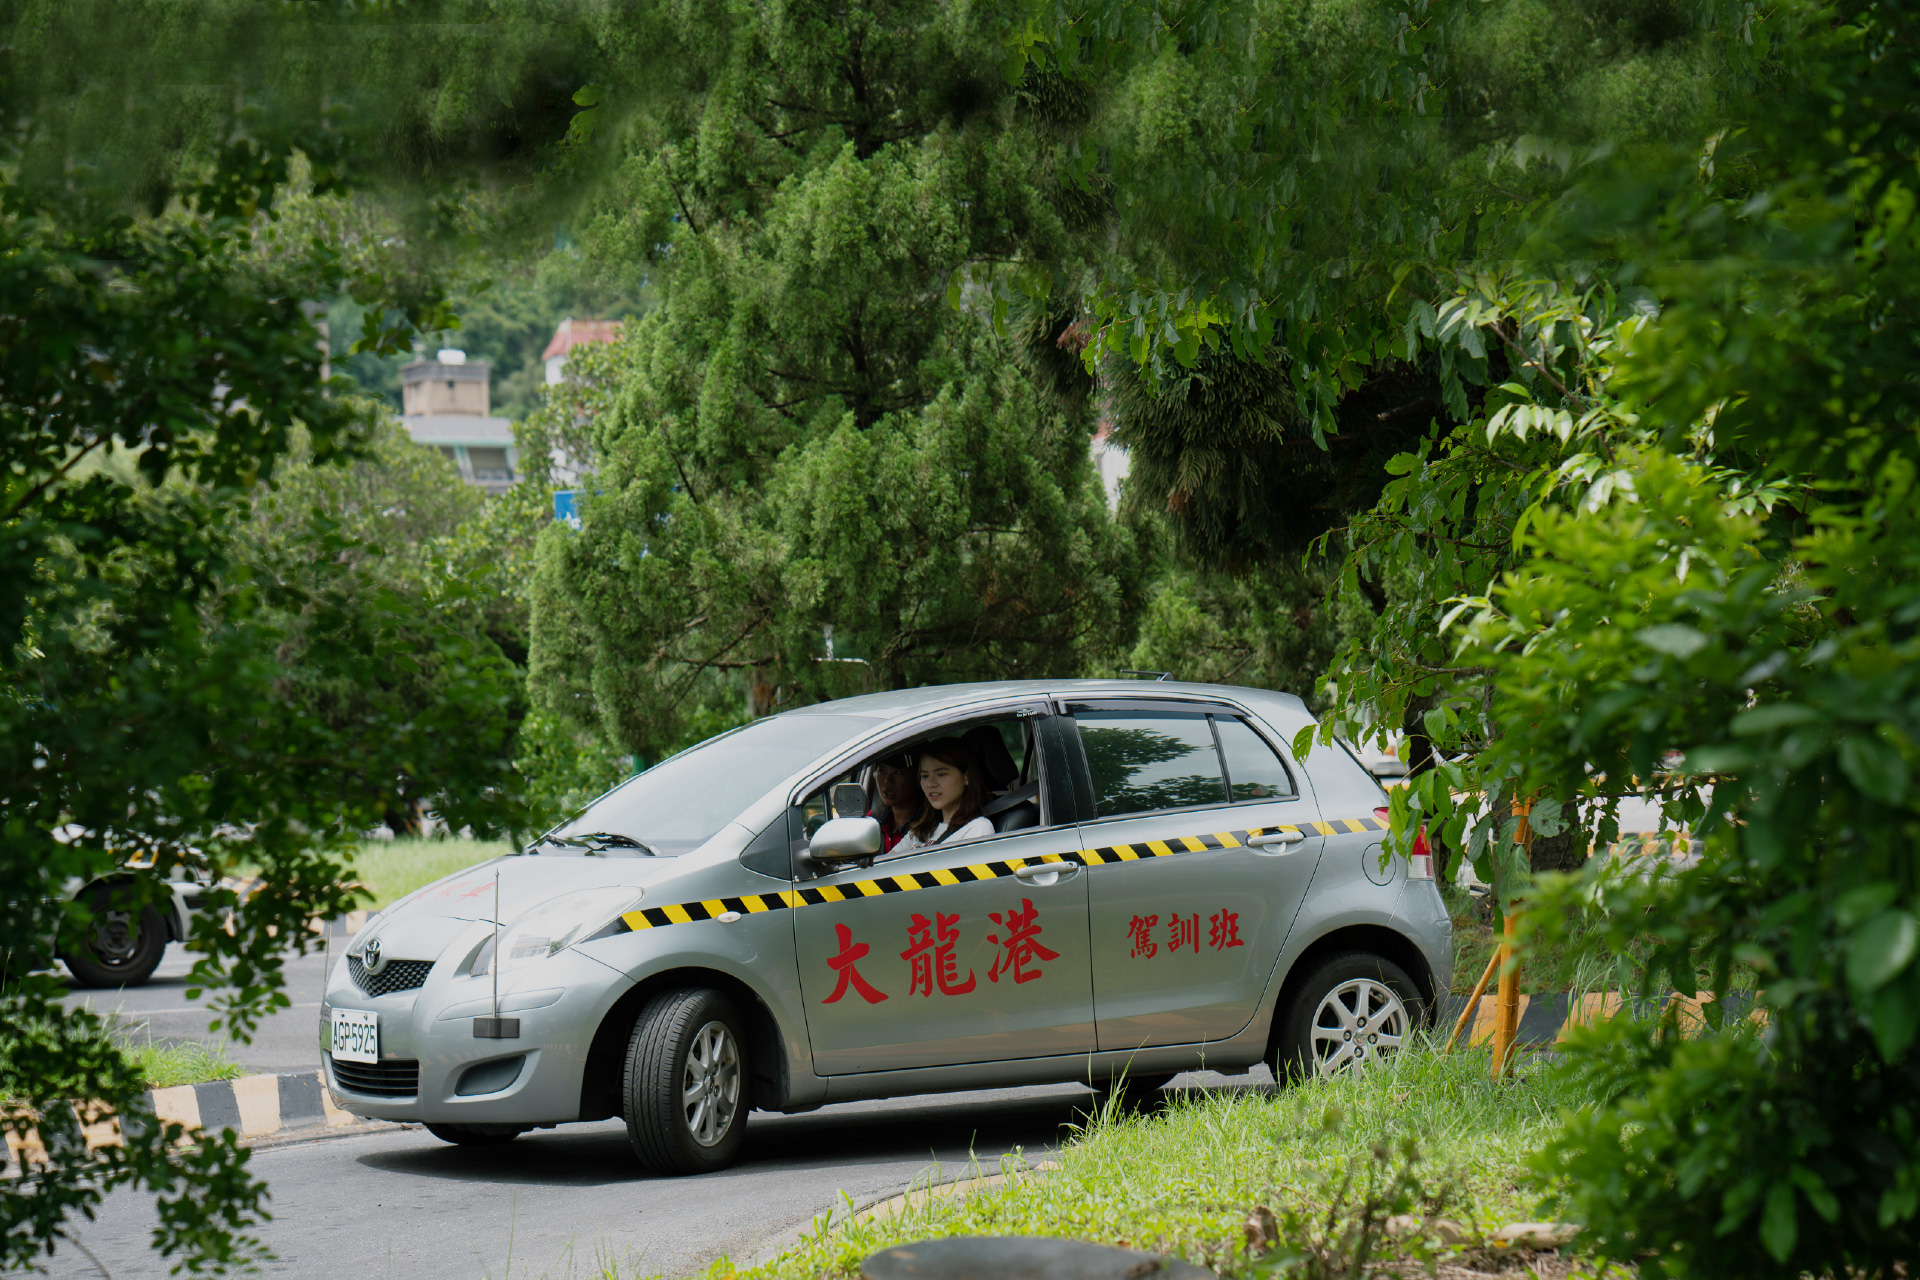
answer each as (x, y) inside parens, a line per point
(1046, 873)
(1275, 843)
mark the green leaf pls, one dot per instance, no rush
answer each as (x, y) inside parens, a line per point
(1674, 638)
(1547, 818)
(1778, 1227)
(1303, 742)
(1895, 1017)
(1774, 715)
(589, 95)
(1881, 948)
(1874, 767)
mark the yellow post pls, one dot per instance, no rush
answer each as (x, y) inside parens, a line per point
(1506, 1023)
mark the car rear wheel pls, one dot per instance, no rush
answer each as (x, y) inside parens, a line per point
(476, 1135)
(685, 1090)
(122, 944)
(1352, 1010)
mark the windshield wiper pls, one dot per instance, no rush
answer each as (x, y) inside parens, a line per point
(614, 840)
(598, 842)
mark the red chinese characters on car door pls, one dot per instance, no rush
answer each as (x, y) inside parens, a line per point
(954, 953)
(1187, 915)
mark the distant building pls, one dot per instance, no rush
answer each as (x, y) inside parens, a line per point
(446, 404)
(570, 334)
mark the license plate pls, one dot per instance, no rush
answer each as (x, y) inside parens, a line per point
(356, 1035)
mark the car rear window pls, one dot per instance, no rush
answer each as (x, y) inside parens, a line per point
(1144, 760)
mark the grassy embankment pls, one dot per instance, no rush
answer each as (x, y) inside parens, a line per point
(392, 869)
(1188, 1180)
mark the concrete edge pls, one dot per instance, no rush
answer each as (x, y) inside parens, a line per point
(960, 1186)
(1548, 1018)
(258, 1108)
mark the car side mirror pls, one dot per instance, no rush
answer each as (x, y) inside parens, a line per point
(849, 800)
(843, 839)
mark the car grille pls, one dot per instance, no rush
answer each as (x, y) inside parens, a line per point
(399, 975)
(387, 1078)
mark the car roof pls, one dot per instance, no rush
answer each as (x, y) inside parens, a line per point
(905, 702)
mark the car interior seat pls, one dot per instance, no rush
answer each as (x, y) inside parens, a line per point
(1010, 806)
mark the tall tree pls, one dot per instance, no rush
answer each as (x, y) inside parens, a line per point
(817, 446)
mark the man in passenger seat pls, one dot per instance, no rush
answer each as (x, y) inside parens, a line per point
(898, 801)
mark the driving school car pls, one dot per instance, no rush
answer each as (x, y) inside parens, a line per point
(1166, 888)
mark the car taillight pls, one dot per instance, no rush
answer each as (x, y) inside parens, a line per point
(1420, 861)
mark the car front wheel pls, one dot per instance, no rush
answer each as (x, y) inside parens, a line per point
(1351, 1011)
(685, 1090)
(122, 944)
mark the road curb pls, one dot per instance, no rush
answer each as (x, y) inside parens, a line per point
(1548, 1018)
(917, 1194)
(255, 1107)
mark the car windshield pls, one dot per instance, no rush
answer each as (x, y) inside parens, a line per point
(681, 803)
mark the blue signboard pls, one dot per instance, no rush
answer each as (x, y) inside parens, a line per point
(563, 507)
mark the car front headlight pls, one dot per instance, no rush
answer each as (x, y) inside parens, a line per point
(553, 926)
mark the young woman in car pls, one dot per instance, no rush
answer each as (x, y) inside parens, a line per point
(951, 781)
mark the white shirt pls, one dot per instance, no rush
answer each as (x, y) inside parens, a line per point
(974, 830)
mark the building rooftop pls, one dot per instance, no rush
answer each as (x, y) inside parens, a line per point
(572, 333)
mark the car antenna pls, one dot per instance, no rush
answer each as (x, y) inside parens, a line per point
(495, 966)
(496, 1027)
(1135, 671)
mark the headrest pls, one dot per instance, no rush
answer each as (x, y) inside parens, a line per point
(990, 749)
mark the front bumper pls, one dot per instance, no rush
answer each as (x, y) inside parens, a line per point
(433, 1070)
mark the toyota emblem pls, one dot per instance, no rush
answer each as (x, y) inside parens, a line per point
(374, 961)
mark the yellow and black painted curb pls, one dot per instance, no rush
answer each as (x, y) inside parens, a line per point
(255, 1107)
(819, 895)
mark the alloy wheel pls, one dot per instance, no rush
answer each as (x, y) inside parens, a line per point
(1358, 1022)
(710, 1088)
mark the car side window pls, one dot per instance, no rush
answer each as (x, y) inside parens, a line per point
(1254, 771)
(1145, 760)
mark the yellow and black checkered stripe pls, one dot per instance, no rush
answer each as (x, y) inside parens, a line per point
(819, 895)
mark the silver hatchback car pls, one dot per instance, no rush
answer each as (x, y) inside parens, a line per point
(1164, 888)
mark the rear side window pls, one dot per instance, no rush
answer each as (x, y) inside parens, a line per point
(1254, 772)
(1142, 760)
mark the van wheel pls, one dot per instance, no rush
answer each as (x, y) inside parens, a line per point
(476, 1135)
(685, 1089)
(121, 946)
(1353, 1010)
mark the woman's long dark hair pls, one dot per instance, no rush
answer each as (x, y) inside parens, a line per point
(974, 798)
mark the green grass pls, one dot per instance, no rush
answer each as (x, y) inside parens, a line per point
(166, 1063)
(1186, 1180)
(392, 869)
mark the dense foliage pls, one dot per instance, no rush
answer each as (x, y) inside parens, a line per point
(1658, 540)
(175, 675)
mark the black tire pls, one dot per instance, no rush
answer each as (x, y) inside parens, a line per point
(476, 1135)
(1353, 981)
(121, 947)
(680, 1035)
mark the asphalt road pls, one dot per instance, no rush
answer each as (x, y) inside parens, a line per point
(570, 1202)
(286, 1041)
(560, 1203)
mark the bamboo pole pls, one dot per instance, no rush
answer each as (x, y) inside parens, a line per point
(1506, 1023)
(1493, 962)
